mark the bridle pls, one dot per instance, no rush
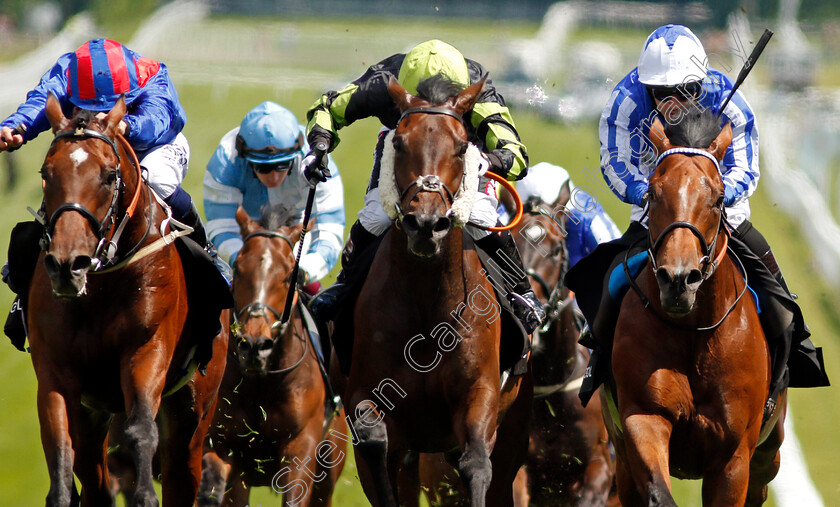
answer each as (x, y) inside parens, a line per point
(106, 249)
(429, 182)
(708, 266)
(556, 303)
(263, 310)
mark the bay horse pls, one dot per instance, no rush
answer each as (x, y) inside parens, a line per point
(569, 458)
(690, 360)
(425, 369)
(270, 428)
(113, 340)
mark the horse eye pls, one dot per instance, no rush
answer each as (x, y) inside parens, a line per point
(110, 178)
(719, 201)
(398, 143)
(463, 149)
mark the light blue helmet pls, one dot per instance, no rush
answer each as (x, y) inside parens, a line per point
(270, 134)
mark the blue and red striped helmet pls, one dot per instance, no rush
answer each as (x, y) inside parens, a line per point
(101, 70)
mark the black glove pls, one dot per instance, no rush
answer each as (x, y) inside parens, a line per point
(496, 165)
(315, 162)
(302, 278)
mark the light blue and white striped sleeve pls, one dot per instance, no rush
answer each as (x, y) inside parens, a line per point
(622, 144)
(222, 196)
(740, 163)
(327, 235)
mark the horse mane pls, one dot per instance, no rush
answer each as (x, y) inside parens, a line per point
(276, 216)
(697, 128)
(438, 89)
(82, 118)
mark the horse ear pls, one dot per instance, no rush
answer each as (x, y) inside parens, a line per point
(466, 99)
(244, 221)
(564, 195)
(721, 142)
(115, 116)
(55, 115)
(658, 138)
(401, 97)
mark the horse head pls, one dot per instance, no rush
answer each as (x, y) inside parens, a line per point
(261, 282)
(82, 182)
(686, 206)
(429, 144)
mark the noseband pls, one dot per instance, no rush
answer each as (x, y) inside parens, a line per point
(105, 250)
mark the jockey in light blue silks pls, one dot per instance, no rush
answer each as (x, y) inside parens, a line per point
(258, 165)
(673, 75)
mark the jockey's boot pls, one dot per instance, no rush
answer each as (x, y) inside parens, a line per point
(193, 219)
(325, 305)
(769, 261)
(527, 308)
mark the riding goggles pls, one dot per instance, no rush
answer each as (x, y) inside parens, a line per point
(268, 168)
(681, 91)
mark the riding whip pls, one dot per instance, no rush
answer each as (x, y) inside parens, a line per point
(287, 309)
(748, 66)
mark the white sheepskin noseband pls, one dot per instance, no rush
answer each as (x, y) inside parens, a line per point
(459, 212)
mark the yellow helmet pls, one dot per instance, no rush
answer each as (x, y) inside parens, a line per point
(431, 58)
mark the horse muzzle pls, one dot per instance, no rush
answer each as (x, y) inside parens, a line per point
(68, 277)
(678, 289)
(254, 354)
(426, 232)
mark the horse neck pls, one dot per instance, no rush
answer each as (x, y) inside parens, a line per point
(145, 210)
(430, 278)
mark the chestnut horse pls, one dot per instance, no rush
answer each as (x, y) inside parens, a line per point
(118, 339)
(270, 427)
(690, 360)
(425, 372)
(569, 459)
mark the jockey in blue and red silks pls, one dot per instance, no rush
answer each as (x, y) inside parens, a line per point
(93, 77)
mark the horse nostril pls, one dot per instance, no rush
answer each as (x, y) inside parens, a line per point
(80, 263)
(51, 263)
(410, 223)
(266, 344)
(663, 277)
(694, 277)
(442, 224)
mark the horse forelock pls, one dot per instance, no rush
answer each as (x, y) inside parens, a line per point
(696, 128)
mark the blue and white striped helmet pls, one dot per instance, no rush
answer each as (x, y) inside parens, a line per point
(672, 55)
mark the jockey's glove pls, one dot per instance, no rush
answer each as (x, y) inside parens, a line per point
(302, 278)
(496, 165)
(729, 195)
(315, 162)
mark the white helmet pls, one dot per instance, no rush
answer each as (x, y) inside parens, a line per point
(672, 55)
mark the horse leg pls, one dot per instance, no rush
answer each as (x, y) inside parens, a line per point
(728, 484)
(475, 427)
(766, 459)
(142, 391)
(521, 497)
(331, 460)
(214, 477)
(511, 447)
(646, 443)
(55, 439)
(304, 471)
(90, 444)
(626, 486)
(372, 453)
(238, 493)
(182, 421)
